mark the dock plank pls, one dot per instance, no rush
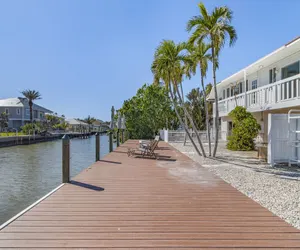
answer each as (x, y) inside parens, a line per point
(121, 203)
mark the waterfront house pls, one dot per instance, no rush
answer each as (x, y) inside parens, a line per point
(99, 126)
(76, 125)
(269, 85)
(19, 112)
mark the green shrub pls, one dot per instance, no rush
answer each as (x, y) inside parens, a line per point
(30, 127)
(245, 129)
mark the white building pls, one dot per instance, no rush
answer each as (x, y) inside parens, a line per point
(269, 85)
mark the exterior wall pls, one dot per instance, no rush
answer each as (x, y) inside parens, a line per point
(17, 120)
(262, 75)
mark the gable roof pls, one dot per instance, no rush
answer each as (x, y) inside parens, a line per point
(11, 102)
(16, 102)
(73, 121)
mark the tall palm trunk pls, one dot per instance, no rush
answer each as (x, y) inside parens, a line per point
(191, 120)
(206, 114)
(181, 122)
(30, 110)
(185, 120)
(216, 99)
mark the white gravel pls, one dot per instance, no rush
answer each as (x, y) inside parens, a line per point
(275, 188)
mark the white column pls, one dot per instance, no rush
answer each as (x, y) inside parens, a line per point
(245, 79)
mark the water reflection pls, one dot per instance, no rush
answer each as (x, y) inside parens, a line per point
(29, 172)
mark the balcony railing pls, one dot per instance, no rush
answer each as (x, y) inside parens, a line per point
(264, 97)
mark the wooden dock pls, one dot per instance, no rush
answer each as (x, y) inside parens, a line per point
(133, 203)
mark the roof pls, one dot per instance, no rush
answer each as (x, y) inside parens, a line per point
(20, 102)
(11, 102)
(277, 55)
(73, 121)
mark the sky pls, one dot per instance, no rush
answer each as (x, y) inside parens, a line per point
(84, 56)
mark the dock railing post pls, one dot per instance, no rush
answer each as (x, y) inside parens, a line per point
(118, 138)
(112, 126)
(111, 141)
(65, 159)
(97, 147)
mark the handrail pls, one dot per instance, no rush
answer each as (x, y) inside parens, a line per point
(264, 87)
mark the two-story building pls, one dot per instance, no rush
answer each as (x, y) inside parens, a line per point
(269, 85)
(19, 112)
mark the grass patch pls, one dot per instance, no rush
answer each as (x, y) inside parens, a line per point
(11, 134)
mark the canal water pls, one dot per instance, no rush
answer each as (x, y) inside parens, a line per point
(29, 172)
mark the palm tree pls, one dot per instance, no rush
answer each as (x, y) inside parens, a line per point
(216, 28)
(168, 66)
(31, 95)
(199, 54)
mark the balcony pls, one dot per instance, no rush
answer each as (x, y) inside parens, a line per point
(281, 94)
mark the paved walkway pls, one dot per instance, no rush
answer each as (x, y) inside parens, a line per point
(121, 202)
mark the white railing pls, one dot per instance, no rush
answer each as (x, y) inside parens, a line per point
(263, 97)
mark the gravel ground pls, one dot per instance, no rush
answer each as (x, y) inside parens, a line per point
(275, 188)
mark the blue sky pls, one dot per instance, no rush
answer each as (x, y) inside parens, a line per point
(84, 56)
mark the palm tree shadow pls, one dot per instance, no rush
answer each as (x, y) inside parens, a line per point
(85, 185)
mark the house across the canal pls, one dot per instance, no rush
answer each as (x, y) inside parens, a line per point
(18, 111)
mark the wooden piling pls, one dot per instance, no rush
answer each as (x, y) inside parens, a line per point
(65, 159)
(111, 142)
(97, 147)
(118, 138)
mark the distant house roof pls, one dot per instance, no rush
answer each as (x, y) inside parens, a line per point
(20, 102)
(97, 123)
(73, 121)
(11, 102)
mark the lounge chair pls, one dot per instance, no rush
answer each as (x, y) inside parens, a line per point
(144, 150)
(145, 143)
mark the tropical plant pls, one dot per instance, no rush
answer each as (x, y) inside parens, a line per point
(89, 120)
(216, 28)
(169, 66)
(31, 95)
(194, 104)
(147, 112)
(245, 129)
(199, 54)
(32, 128)
(3, 121)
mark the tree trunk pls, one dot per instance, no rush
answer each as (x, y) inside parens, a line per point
(185, 120)
(206, 114)
(30, 109)
(191, 121)
(216, 100)
(181, 122)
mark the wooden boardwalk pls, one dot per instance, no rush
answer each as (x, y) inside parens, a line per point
(134, 203)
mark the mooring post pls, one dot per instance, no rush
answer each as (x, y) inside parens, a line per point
(122, 134)
(112, 126)
(110, 141)
(97, 147)
(65, 159)
(118, 138)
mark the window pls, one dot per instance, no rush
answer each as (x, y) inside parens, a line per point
(254, 84)
(27, 111)
(224, 94)
(41, 115)
(231, 92)
(228, 93)
(253, 95)
(241, 87)
(290, 70)
(6, 111)
(18, 111)
(247, 87)
(272, 75)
